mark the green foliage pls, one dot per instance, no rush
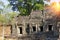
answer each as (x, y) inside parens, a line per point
(5, 14)
(29, 5)
(20, 0)
(2, 19)
(10, 15)
(38, 7)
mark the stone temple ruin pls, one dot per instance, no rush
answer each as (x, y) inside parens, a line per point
(37, 26)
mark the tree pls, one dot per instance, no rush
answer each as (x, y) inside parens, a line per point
(3, 21)
(26, 6)
(1, 4)
(2, 18)
(6, 15)
(11, 19)
(10, 16)
(7, 18)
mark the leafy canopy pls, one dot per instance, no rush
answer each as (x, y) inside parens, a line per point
(26, 6)
(6, 14)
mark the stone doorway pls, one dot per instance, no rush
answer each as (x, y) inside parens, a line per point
(50, 27)
(20, 28)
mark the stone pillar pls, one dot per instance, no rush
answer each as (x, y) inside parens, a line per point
(47, 28)
(36, 28)
(59, 32)
(44, 27)
(16, 29)
(24, 29)
(30, 28)
(13, 30)
(58, 25)
(55, 26)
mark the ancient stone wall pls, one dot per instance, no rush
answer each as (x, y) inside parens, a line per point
(7, 31)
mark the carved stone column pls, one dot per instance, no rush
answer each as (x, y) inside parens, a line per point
(36, 28)
(44, 27)
(58, 25)
(14, 30)
(24, 29)
(30, 28)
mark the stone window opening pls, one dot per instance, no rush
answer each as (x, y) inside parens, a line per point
(20, 29)
(50, 27)
(41, 28)
(34, 28)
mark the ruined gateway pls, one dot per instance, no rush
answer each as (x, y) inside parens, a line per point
(37, 26)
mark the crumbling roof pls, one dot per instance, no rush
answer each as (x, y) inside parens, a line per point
(34, 16)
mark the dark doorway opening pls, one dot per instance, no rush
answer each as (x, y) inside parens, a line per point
(20, 28)
(50, 27)
(34, 28)
(41, 28)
